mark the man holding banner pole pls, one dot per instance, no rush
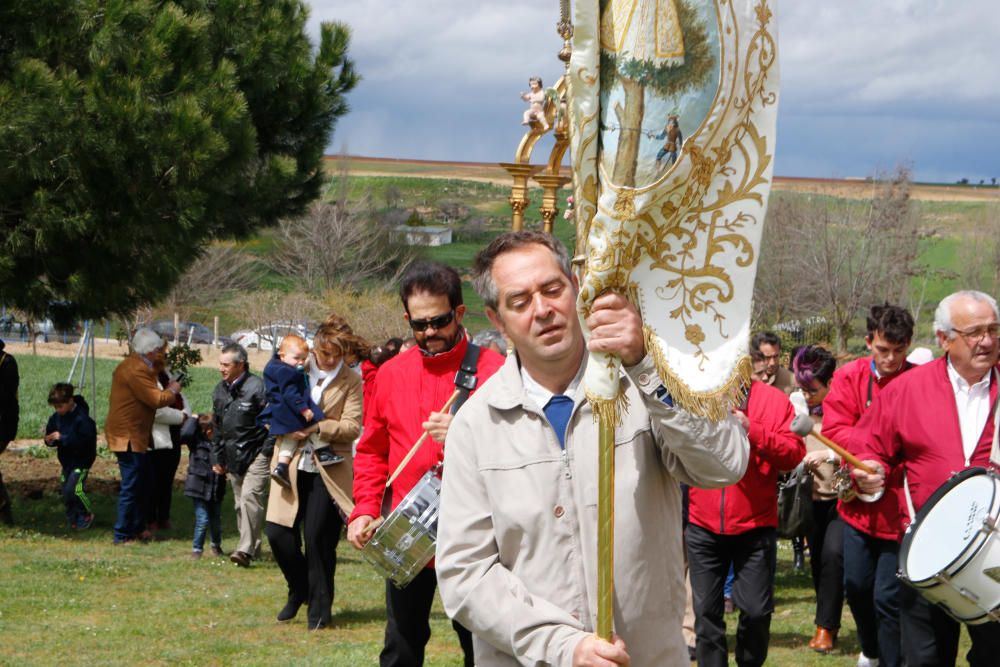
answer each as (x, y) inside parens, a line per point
(517, 540)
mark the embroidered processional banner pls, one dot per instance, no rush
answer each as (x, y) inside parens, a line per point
(673, 109)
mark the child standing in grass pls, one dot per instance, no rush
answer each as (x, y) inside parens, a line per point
(203, 486)
(74, 435)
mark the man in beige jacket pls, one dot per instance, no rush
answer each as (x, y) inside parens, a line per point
(517, 543)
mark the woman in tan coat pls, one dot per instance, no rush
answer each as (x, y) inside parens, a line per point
(311, 511)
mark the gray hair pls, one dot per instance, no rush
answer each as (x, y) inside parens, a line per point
(238, 351)
(146, 340)
(942, 316)
(482, 265)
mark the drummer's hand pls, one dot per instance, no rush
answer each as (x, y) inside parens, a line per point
(595, 652)
(815, 458)
(437, 425)
(358, 533)
(869, 484)
(616, 328)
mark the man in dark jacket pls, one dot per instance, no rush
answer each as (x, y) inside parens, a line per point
(239, 447)
(74, 435)
(9, 380)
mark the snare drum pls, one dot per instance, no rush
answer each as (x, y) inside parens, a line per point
(404, 543)
(950, 553)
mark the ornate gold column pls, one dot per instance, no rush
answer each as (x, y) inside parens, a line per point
(519, 191)
(551, 183)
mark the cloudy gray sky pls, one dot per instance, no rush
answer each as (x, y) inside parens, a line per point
(866, 84)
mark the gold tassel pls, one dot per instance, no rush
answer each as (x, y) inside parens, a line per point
(609, 411)
(715, 405)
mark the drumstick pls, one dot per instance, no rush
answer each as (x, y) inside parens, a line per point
(802, 425)
(413, 450)
(372, 526)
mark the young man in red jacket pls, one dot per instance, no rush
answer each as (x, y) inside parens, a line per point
(410, 390)
(871, 529)
(738, 525)
(932, 422)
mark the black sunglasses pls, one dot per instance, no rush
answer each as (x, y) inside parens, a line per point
(438, 322)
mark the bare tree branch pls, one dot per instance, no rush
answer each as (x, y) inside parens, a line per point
(220, 271)
(836, 258)
(334, 244)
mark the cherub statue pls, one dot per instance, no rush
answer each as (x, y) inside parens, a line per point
(536, 104)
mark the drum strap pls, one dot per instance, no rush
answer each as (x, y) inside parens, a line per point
(995, 415)
(465, 382)
(465, 378)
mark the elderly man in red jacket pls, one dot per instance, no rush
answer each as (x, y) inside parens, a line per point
(871, 529)
(930, 423)
(410, 390)
(737, 526)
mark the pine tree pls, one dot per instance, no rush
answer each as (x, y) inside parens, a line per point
(132, 132)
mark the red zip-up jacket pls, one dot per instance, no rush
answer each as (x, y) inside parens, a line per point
(408, 388)
(853, 389)
(753, 501)
(914, 425)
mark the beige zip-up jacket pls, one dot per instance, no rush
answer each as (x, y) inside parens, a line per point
(517, 535)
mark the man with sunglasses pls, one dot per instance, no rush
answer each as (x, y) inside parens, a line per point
(410, 390)
(934, 421)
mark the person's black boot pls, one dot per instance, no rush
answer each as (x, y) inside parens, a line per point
(799, 555)
(290, 609)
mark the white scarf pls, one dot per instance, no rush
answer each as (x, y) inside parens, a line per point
(320, 379)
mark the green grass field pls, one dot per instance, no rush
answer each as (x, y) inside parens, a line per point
(74, 598)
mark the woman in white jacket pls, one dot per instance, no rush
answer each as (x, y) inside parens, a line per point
(164, 457)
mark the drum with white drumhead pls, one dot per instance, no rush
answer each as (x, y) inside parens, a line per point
(951, 553)
(405, 541)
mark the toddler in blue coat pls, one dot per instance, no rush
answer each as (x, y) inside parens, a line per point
(290, 407)
(203, 485)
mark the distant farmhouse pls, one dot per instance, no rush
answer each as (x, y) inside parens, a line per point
(431, 235)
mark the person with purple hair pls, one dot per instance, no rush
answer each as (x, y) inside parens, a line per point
(812, 368)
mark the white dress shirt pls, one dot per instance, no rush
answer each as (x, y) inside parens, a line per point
(541, 396)
(973, 404)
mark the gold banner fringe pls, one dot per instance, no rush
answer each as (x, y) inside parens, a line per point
(714, 405)
(609, 411)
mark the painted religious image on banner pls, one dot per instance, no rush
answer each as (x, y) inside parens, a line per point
(659, 78)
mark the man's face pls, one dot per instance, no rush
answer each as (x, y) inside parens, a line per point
(536, 306)
(772, 356)
(428, 312)
(229, 367)
(973, 349)
(158, 357)
(889, 357)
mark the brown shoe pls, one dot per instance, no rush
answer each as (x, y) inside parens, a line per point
(823, 640)
(240, 558)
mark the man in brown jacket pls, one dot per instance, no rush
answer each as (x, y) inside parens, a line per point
(135, 397)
